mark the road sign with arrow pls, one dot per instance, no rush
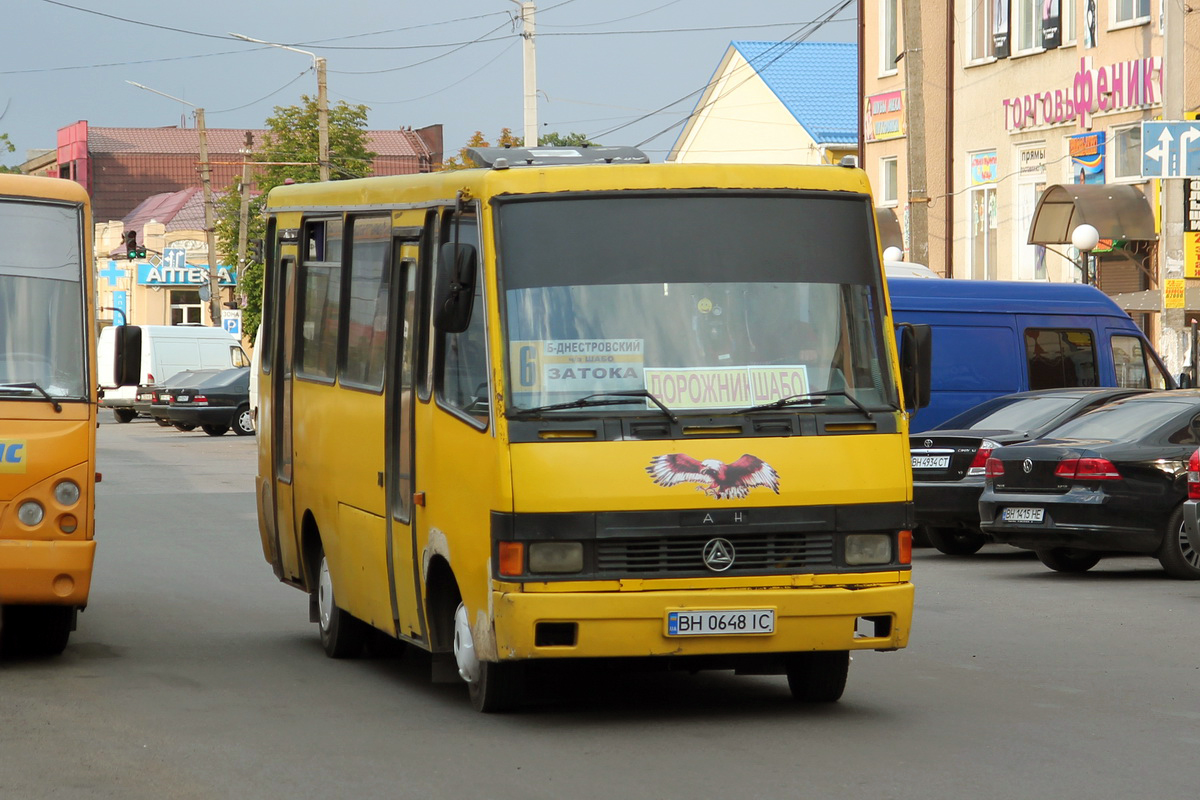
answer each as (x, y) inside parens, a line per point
(1171, 149)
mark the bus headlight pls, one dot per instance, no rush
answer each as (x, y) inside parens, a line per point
(67, 493)
(868, 548)
(31, 513)
(555, 557)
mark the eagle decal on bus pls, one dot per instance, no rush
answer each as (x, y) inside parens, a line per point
(717, 479)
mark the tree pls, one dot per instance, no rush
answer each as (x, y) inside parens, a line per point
(568, 140)
(461, 161)
(7, 147)
(288, 152)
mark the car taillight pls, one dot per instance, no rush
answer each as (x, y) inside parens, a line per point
(979, 465)
(1194, 476)
(199, 399)
(149, 378)
(1087, 469)
(993, 468)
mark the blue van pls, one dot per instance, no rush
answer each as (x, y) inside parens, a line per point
(997, 337)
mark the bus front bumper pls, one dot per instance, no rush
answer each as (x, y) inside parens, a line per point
(45, 573)
(635, 624)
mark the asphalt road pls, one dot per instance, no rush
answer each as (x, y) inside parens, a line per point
(195, 674)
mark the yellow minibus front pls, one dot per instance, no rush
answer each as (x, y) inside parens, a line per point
(622, 411)
(47, 412)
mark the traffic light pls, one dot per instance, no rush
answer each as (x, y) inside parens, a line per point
(255, 254)
(132, 248)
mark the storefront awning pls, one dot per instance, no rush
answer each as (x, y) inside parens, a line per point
(1151, 300)
(889, 228)
(1117, 212)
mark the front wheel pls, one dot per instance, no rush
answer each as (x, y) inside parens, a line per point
(35, 630)
(1176, 554)
(818, 677)
(956, 541)
(124, 414)
(1064, 559)
(215, 430)
(243, 422)
(342, 635)
(493, 686)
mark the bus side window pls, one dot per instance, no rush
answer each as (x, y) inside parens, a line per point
(463, 379)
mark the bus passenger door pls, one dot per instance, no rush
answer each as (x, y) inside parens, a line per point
(403, 558)
(281, 421)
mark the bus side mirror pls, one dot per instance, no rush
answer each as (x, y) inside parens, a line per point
(916, 357)
(454, 287)
(127, 354)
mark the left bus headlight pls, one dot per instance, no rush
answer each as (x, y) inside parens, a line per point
(868, 548)
(555, 557)
(67, 493)
(31, 513)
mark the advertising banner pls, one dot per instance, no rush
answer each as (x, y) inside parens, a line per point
(1051, 24)
(1087, 157)
(1000, 28)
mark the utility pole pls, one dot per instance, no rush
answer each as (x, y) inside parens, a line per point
(322, 100)
(244, 216)
(1173, 337)
(914, 109)
(210, 236)
(528, 10)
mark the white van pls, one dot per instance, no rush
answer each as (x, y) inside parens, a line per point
(166, 351)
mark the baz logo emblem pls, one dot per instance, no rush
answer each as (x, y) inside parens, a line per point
(718, 554)
(716, 479)
(12, 456)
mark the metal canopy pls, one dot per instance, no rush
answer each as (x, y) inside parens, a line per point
(889, 228)
(1116, 211)
(505, 157)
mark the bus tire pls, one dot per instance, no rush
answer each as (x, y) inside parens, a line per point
(36, 630)
(1178, 558)
(342, 635)
(495, 687)
(955, 541)
(818, 677)
(215, 430)
(124, 414)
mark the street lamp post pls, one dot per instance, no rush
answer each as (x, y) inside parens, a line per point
(1084, 238)
(210, 237)
(322, 101)
(530, 61)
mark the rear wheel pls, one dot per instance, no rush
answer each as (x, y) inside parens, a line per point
(124, 414)
(1064, 559)
(165, 423)
(342, 635)
(243, 422)
(494, 686)
(956, 541)
(184, 426)
(818, 677)
(35, 630)
(215, 430)
(1176, 554)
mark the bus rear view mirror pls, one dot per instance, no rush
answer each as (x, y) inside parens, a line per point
(454, 287)
(916, 355)
(127, 353)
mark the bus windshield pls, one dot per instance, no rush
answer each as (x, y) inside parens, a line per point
(41, 292)
(706, 301)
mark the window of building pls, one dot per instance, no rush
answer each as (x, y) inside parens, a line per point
(1030, 261)
(1125, 153)
(889, 38)
(320, 298)
(889, 172)
(981, 31)
(1027, 25)
(1067, 22)
(185, 307)
(983, 233)
(1129, 12)
(367, 315)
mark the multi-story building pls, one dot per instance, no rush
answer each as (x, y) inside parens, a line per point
(997, 126)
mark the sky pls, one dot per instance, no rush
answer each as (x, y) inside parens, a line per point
(623, 72)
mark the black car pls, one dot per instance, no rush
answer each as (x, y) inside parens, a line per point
(160, 395)
(216, 404)
(1112, 482)
(948, 461)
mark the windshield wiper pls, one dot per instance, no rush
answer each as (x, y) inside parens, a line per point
(37, 388)
(808, 399)
(620, 398)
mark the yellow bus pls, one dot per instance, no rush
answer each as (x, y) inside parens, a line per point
(571, 405)
(47, 411)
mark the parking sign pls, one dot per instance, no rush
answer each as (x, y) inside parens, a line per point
(231, 320)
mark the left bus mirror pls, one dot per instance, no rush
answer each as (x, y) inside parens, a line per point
(916, 355)
(454, 287)
(127, 355)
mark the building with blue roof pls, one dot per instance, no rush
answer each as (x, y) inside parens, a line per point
(776, 103)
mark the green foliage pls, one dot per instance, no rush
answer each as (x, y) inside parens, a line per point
(292, 137)
(508, 139)
(7, 147)
(568, 140)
